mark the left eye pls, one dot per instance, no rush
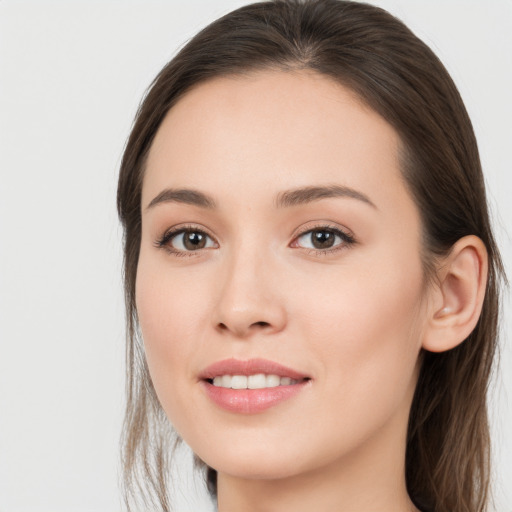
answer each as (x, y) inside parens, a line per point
(321, 239)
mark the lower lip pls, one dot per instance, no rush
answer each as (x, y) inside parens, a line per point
(251, 401)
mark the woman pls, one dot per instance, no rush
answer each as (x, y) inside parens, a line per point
(312, 282)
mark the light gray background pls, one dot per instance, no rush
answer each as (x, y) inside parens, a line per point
(71, 76)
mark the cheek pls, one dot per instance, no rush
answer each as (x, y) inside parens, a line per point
(168, 303)
(365, 327)
(170, 309)
(372, 290)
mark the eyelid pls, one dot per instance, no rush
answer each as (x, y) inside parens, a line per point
(163, 241)
(318, 225)
(345, 234)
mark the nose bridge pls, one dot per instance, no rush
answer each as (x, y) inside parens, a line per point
(248, 300)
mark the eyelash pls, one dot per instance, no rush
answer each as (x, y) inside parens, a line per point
(347, 240)
(163, 241)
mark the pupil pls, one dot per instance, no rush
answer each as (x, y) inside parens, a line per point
(194, 240)
(322, 239)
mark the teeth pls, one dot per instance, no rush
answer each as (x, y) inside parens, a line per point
(273, 381)
(239, 382)
(257, 381)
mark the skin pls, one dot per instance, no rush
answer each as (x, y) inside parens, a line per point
(352, 319)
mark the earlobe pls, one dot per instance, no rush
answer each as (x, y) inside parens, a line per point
(458, 297)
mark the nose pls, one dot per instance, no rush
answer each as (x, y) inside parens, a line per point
(249, 299)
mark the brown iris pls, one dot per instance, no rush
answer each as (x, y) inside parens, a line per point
(193, 240)
(322, 239)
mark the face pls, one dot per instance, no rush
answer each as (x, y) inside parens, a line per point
(280, 242)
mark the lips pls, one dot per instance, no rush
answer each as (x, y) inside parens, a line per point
(251, 401)
(250, 367)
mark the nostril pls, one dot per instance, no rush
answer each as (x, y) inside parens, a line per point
(261, 324)
(244, 329)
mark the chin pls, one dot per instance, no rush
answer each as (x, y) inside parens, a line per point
(255, 469)
(257, 460)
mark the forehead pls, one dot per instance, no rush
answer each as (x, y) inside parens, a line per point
(272, 129)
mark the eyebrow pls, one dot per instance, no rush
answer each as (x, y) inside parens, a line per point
(183, 195)
(309, 194)
(283, 199)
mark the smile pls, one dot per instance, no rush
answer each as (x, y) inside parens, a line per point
(258, 381)
(252, 386)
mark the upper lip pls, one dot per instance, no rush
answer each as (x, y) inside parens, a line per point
(250, 367)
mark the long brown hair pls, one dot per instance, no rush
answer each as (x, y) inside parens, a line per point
(374, 54)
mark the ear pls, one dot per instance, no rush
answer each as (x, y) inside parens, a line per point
(458, 296)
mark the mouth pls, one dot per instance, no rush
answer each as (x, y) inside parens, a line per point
(256, 381)
(251, 374)
(251, 386)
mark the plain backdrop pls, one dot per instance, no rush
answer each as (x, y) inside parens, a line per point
(71, 76)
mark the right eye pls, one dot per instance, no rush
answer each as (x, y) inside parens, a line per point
(185, 240)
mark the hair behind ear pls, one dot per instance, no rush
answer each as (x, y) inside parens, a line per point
(448, 424)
